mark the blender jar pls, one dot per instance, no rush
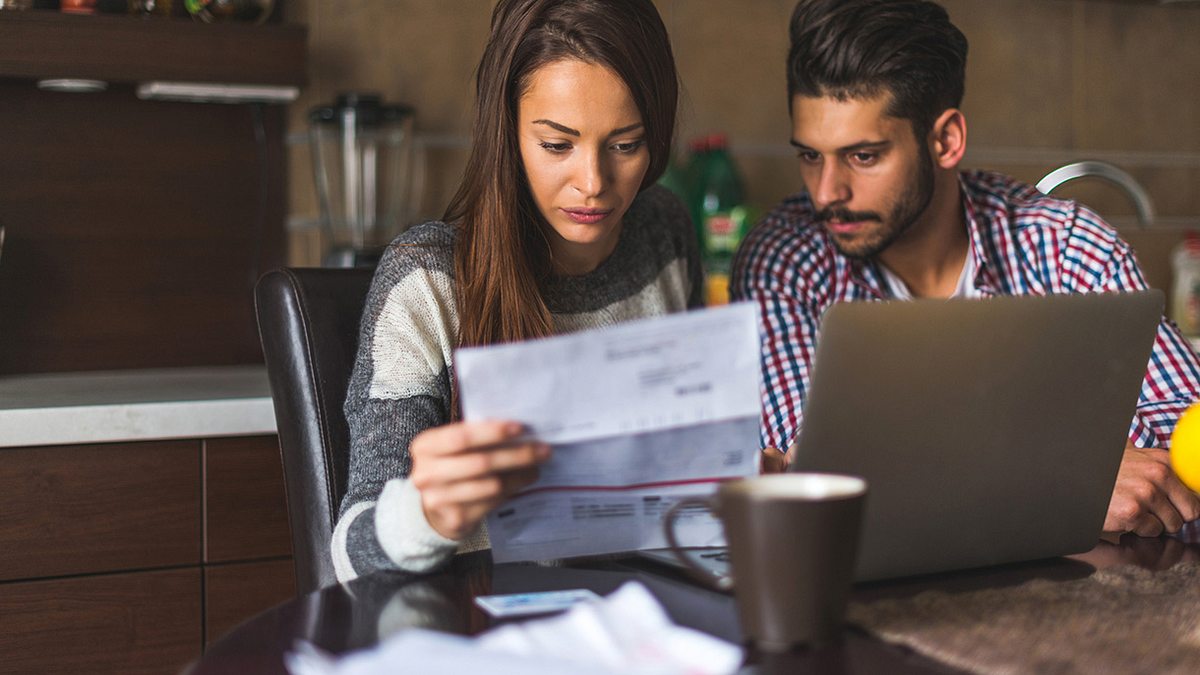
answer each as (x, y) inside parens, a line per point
(365, 173)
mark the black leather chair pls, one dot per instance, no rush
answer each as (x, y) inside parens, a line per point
(308, 320)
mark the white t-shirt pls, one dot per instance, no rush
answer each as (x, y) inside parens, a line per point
(965, 288)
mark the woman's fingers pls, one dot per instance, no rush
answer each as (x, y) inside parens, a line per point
(459, 437)
(494, 488)
(481, 464)
(498, 460)
(434, 449)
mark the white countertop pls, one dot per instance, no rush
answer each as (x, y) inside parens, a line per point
(134, 405)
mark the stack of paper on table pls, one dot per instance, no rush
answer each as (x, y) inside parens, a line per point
(627, 632)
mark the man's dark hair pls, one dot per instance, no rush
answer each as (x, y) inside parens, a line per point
(854, 49)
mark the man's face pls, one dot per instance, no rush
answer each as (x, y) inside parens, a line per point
(869, 177)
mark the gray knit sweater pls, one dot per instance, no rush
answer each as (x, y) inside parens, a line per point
(401, 384)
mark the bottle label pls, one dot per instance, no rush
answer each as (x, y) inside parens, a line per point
(720, 224)
(723, 231)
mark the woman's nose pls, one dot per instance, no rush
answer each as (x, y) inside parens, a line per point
(589, 179)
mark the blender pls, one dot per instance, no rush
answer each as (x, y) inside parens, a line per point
(366, 175)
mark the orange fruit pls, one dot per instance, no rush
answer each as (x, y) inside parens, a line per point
(1185, 448)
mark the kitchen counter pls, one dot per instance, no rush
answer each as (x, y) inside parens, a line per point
(134, 405)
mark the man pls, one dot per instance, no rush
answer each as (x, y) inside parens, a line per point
(874, 93)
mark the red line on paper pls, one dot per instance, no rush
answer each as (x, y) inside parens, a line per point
(620, 488)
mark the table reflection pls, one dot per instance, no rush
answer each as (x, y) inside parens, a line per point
(363, 612)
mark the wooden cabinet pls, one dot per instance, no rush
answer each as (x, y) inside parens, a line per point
(131, 557)
(245, 514)
(136, 228)
(238, 591)
(98, 508)
(142, 622)
(245, 518)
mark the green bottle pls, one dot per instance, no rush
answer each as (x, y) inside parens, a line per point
(723, 216)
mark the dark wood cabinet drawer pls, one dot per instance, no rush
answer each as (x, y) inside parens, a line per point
(143, 622)
(96, 508)
(238, 591)
(245, 505)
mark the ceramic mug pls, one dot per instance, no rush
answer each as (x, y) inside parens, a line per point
(793, 540)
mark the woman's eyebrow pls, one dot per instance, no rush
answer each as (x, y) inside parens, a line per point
(558, 127)
(573, 132)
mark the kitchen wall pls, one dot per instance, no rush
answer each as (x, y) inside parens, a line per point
(1049, 82)
(135, 229)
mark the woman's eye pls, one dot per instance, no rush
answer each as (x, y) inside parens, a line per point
(556, 148)
(629, 147)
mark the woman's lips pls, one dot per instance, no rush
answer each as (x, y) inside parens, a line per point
(587, 216)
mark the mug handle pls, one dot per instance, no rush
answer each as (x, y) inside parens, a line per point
(716, 581)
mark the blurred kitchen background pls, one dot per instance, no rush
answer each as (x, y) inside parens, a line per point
(136, 226)
(1049, 82)
(140, 474)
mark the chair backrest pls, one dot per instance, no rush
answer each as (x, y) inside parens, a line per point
(308, 320)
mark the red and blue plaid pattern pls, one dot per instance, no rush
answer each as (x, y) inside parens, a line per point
(1023, 243)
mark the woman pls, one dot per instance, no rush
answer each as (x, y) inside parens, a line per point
(556, 227)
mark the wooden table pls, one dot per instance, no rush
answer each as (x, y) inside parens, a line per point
(359, 614)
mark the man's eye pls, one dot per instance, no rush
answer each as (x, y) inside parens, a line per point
(808, 156)
(556, 148)
(864, 157)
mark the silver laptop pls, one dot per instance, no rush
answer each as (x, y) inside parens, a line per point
(989, 431)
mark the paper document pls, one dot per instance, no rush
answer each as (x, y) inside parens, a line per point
(626, 633)
(639, 415)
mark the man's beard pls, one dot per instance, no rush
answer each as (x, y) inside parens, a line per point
(904, 214)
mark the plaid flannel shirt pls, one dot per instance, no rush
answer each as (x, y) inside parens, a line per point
(1022, 243)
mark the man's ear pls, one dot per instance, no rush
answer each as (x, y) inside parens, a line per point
(949, 138)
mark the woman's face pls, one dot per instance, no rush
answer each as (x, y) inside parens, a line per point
(583, 147)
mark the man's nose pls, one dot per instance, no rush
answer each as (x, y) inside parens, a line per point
(832, 187)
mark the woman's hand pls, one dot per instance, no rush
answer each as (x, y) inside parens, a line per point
(466, 469)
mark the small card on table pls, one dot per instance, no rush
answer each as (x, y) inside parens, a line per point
(525, 604)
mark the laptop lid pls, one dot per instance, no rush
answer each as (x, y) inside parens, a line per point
(989, 431)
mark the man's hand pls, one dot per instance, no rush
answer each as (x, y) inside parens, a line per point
(774, 461)
(1148, 498)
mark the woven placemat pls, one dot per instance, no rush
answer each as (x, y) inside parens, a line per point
(1119, 620)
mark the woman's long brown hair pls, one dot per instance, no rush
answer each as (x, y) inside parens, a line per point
(501, 253)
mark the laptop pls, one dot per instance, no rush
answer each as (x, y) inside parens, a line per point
(989, 431)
